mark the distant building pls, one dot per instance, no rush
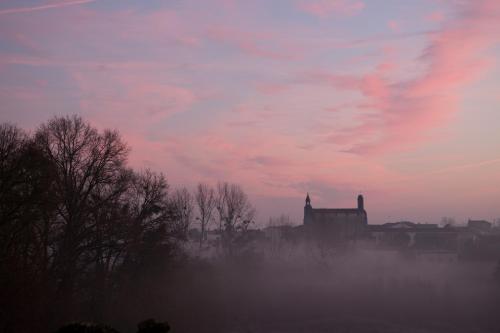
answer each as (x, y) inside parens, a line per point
(429, 242)
(342, 223)
(479, 225)
(409, 235)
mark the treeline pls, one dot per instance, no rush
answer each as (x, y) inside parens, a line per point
(78, 226)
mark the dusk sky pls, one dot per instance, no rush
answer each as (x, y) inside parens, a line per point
(398, 100)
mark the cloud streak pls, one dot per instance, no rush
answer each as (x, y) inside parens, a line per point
(44, 7)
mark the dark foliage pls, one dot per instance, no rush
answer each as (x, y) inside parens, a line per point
(151, 326)
(77, 225)
(86, 328)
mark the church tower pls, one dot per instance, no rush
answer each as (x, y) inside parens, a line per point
(361, 209)
(308, 210)
(361, 203)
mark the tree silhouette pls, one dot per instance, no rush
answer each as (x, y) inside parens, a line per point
(205, 202)
(88, 166)
(235, 214)
(77, 225)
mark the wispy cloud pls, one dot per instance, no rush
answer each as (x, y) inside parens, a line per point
(327, 8)
(464, 167)
(271, 96)
(408, 109)
(44, 7)
(261, 44)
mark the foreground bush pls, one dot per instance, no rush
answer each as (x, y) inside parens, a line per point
(146, 326)
(86, 328)
(151, 326)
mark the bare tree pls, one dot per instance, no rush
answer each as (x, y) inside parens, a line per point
(85, 162)
(235, 214)
(147, 201)
(152, 229)
(75, 221)
(182, 207)
(205, 202)
(26, 203)
(278, 228)
(23, 241)
(12, 143)
(280, 221)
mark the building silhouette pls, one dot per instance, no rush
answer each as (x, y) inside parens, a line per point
(343, 223)
(476, 240)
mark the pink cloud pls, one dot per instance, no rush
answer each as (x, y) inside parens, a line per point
(131, 99)
(260, 44)
(435, 17)
(394, 25)
(133, 70)
(269, 161)
(327, 8)
(271, 89)
(408, 110)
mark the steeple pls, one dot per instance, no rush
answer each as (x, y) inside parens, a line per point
(361, 204)
(308, 211)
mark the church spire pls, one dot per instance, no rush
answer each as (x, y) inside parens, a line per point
(361, 202)
(308, 200)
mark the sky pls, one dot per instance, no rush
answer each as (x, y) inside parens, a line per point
(397, 100)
